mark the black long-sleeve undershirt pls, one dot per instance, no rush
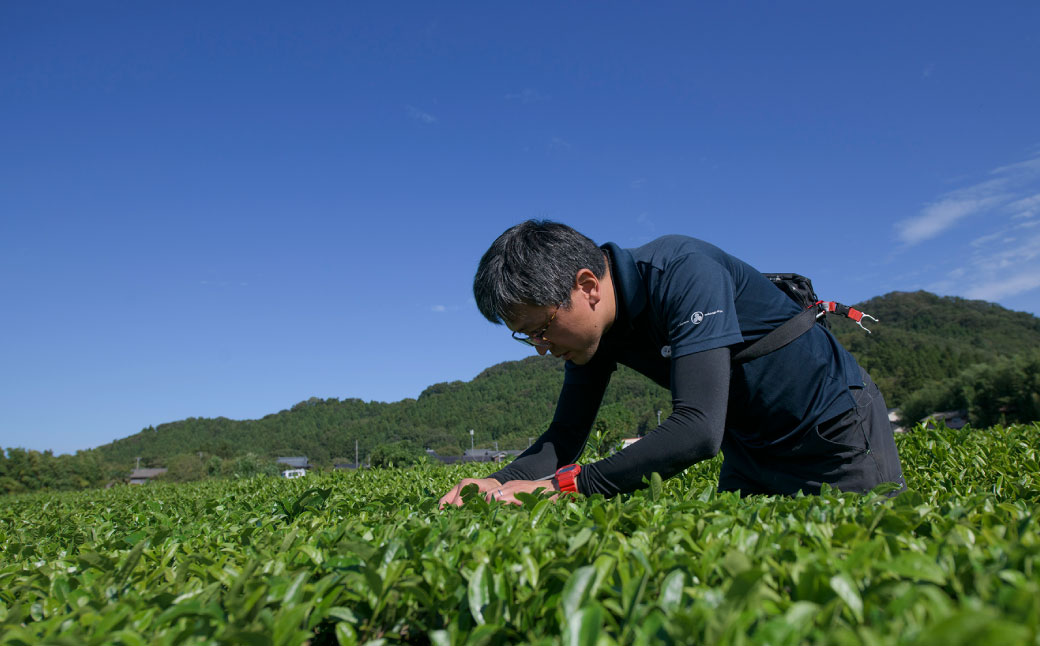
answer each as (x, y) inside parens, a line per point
(693, 432)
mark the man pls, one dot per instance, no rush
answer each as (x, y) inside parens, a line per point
(676, 310)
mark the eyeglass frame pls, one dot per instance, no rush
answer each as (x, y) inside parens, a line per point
(528, 339)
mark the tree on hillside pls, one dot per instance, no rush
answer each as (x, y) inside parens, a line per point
(186, 467)
(1006, 390)
(23, 470)
(614, 422)
(249, 465)
(396, 454)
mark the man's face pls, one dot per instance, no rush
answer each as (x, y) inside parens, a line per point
(573, 334)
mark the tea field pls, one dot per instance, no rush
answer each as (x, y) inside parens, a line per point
(366, 557)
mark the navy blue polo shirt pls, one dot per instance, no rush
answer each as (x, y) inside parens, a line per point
(679, 295)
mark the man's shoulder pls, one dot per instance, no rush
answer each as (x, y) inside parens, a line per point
(678, 257)
(670, 243)
(665, 249)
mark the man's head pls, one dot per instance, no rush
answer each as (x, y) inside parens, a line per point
(545, 279)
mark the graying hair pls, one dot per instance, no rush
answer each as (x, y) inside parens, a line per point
(533, 263)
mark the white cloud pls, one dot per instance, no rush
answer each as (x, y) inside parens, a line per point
(441, 309)
(1029, 167)
(1004, 287)
(986, 239)
(1001, 267)
(556, 143)
(1028, 249)
(938, 217)
(1002, 258)
(419, 115)
(646, 226)
(1027, 207)
(1010, 187)
(527, 95)
(1002, 234)
(638, 183)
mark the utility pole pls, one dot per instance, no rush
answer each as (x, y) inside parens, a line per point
(470, 439)
(138, 463)
(496, 446)
(356, 463)
(658, 418)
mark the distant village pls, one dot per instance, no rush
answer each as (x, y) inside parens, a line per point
(298, 466)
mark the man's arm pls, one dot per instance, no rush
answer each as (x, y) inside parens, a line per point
(576, 409)
(563, 442)
(693, 432)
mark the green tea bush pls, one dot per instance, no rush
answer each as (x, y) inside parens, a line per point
(366, 557)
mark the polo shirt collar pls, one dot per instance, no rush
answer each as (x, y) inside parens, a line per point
(628, 284)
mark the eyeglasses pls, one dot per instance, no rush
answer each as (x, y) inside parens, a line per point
(535, 338)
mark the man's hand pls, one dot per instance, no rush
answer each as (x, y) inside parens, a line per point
(495, 490)
(507, 492)
(454, 497)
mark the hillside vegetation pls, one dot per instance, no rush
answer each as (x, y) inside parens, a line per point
(507, 403)
(923, 338)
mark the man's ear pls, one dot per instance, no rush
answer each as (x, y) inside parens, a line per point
(588, 285)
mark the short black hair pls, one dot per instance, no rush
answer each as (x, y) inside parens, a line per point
(533, 263)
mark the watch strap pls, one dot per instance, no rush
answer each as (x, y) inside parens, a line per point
(567, 478)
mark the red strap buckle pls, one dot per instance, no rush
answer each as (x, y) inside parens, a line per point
(846, 311)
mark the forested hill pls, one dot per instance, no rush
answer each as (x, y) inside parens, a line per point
(508, 403)
(920, 339)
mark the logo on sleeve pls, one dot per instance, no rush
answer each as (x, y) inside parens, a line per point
(696, 318)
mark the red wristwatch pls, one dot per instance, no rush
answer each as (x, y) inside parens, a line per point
(566, 477)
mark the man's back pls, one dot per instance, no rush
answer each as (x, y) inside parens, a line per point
(679, 295)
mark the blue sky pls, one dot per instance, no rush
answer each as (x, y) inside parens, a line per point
(216, 209)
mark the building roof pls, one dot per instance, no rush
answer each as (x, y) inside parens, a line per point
(297, 462)
(145, 474)
(451, 459)
(954, 419)
(477, 453)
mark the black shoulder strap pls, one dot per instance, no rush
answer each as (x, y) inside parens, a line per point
(791, 329)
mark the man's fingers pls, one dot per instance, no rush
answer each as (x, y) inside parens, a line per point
(452, 497)
(488, 487)
(449, 503)
(505, 494)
